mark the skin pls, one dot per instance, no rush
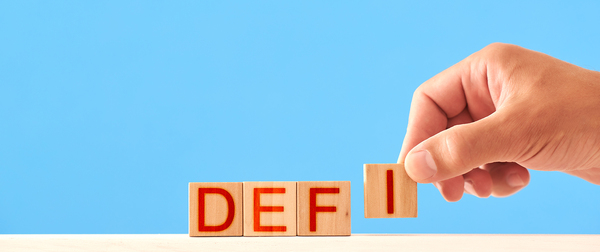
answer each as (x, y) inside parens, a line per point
(478, 126)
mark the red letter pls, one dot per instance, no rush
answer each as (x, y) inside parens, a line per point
(390, 191)
(314, 208)
(258, 209)
(230, 212)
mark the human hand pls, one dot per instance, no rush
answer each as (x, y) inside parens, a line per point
(479, 125)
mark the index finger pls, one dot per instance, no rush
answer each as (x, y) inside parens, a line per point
(462, 87)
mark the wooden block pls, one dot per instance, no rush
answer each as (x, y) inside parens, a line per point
(324, 208)
(215, 209)
(269, 208)
(389, 192)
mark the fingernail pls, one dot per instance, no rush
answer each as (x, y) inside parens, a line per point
(469, 187)
(514, 180)
(437, 185)
(421, 164)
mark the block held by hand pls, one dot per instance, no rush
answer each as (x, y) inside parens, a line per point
(389, 192)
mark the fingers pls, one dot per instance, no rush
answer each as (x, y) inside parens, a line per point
(451, 189)
(430, 108)
(497, 179)
(457, 150)
(432, 152)
(478, 183)
(454, 127)
(445, 96)
(508, 178)
(462, 118)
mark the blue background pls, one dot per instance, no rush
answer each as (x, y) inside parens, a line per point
(108, 110)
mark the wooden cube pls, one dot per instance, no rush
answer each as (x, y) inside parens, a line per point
(324, 208)
(389, 192)
(215, 209)
(269, 208)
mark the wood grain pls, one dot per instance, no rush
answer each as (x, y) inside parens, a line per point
(378, 201)
(269, 208)
(324, 208)
(361, 242)
(222, 211)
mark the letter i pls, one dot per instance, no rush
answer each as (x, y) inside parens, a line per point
(390, 191)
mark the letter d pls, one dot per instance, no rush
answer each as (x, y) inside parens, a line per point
(201, 206)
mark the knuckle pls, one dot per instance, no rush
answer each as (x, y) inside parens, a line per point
(457, 149)
(499, 51)
(418, 91)
(504, 59)
(505, 52)
(498, 47)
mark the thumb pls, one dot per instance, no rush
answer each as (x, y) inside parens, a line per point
(459, 149)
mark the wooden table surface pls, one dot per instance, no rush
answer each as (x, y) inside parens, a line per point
(356, 242)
